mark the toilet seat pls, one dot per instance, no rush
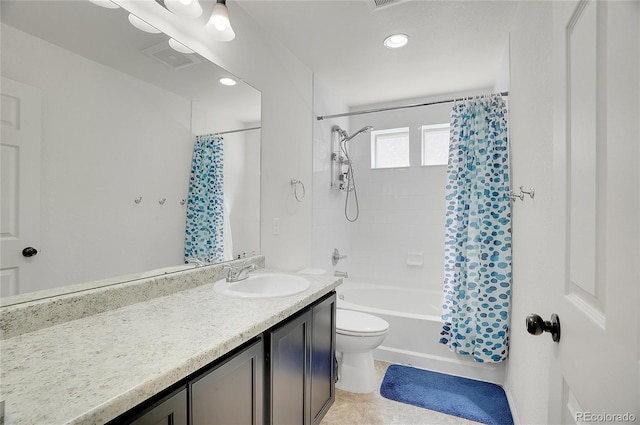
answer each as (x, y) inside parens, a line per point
(356, 323)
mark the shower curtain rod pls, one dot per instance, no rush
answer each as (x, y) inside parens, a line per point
(415, 105)
(232, 131)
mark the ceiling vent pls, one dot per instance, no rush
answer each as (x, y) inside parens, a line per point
(163, 53)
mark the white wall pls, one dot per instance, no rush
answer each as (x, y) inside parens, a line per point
(402, 210)
(103, 145)
(287, 87)
(330, 228)
(531, 121)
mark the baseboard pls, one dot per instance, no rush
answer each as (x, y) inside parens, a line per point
(512, 404)
(494, 373)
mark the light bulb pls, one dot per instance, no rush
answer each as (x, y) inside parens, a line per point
(395, 41)
(219, 25)
(185, 8)
(227, 81)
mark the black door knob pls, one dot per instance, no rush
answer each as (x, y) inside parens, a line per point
(29, 251)
(536, 326)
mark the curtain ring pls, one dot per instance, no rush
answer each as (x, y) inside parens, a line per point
(295, 184)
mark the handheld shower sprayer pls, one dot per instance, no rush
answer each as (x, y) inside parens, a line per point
(346, 180)
(346, 137)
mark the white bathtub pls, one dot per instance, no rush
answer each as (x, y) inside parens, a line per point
(414, 329)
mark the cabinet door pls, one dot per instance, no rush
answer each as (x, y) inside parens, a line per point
(289, 371)
(232, 392)
(170, 411)
(323, 348)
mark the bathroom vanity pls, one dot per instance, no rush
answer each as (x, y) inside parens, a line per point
(193, 355)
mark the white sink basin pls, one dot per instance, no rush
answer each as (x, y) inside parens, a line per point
(265, 285)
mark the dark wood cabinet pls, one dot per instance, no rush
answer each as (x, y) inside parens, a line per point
(301, 367)
(323, 349)
(171, 410)
(290, 351)
(232, 392)
(285, 376)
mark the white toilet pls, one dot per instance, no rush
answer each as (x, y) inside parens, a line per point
(358, 334)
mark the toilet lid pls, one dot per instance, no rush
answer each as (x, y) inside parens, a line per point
(358, 322)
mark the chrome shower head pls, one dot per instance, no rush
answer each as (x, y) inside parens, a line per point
(346, 137)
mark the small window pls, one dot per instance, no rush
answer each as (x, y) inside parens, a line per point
(390, 148)
(435, 144)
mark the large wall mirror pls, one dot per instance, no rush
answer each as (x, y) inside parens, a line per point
(99, 121)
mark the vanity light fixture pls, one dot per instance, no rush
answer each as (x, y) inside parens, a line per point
(108, 4)
(227, 81)
(219, 25)
(186, 8)
(179, 47)
(395, 41)
(142, 25)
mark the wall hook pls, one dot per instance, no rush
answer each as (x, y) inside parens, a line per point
(183, 201)
(162, 201)
(515, 196)
(138, 200)
(531, 192)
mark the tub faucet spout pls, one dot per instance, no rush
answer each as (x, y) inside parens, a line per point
(338, 273)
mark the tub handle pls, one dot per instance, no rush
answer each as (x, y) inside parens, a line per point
(336, 257)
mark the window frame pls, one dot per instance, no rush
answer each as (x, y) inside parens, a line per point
(432, 128)
(374, 146)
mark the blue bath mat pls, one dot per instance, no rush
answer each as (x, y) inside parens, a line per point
(466, 398)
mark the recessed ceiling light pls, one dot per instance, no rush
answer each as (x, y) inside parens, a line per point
(395, 41)
(227, 81)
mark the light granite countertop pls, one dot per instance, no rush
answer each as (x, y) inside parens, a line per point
(92, 369)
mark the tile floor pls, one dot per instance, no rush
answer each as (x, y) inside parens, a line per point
(373, 409)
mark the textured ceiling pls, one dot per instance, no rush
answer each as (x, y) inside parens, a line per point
(453, 45)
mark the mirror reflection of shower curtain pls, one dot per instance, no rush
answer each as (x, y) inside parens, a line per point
(205, 226)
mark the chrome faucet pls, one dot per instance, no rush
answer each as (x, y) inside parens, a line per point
(194, 260)
(236, 274)
(338, 273)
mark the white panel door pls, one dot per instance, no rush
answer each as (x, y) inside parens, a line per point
(20, 188)
(594, 372)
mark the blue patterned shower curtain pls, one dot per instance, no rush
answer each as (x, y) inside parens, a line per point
(204, 237)
(477, 271)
